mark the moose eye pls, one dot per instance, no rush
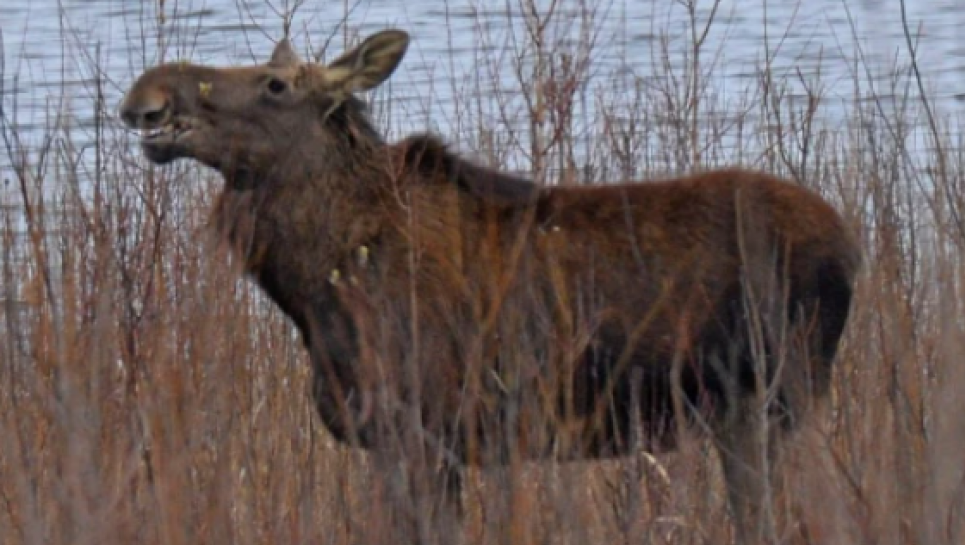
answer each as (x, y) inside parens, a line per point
(276, 86)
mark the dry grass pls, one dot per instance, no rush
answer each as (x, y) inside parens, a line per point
(147, 395)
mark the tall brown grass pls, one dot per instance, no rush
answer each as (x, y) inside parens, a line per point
(148, 395)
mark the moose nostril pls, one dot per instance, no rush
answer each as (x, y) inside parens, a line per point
(153, 117)
(144, 116)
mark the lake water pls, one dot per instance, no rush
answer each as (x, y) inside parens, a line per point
(53, 50)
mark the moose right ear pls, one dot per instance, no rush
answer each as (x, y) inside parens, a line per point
(284, 54)
(370, 63)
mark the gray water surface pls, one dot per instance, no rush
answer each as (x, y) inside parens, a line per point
(55, 50)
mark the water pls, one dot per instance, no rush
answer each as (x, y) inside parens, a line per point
(54, 51)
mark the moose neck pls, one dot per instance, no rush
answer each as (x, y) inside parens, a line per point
(297, 222)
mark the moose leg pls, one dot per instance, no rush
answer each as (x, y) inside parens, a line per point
(451, 476)
(747, 456)
(450, 512)
(425, 501)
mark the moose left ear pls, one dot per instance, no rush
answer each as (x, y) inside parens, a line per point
(370, 63)
(284, 54)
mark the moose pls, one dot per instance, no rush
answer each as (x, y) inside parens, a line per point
(485, 318)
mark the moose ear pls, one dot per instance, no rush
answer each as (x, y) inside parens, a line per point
(284, 54)
(370, 63)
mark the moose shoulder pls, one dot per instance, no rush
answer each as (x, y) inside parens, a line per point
(513, 319)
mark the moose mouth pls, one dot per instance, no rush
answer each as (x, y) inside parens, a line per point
(170, 132)
(167, 142)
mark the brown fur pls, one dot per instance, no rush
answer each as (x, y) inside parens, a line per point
(509, 319)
